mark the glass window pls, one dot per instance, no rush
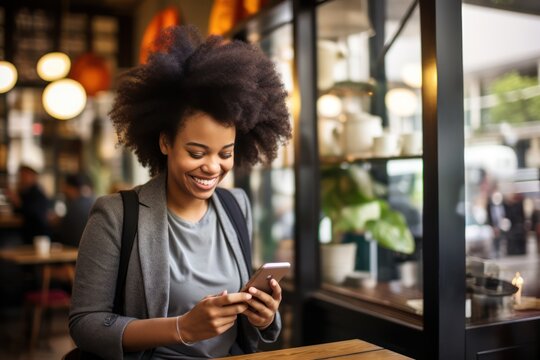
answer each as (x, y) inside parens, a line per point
(370, 143)
(502, 162)
(271, 188)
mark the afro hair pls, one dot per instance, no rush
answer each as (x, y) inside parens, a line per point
(232, 81)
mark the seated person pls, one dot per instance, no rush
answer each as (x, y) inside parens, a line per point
(79, 198)
(31, 203)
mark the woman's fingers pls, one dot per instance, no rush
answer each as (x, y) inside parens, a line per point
(229, 299)
(261, 297)
(276, 290)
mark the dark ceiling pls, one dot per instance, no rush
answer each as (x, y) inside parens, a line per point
(113, 6)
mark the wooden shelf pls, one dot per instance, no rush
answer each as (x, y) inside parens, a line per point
(376, 303)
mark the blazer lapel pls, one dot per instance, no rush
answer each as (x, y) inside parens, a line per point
(153, 242)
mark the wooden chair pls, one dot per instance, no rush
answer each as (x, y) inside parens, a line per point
(40, 300)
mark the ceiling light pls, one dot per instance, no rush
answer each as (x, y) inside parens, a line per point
(329, 105)
(53, 66)
(412, 75)
(401, 102)
(8, 76)
(64, 99)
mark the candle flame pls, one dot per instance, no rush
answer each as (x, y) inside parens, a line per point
(518, 281)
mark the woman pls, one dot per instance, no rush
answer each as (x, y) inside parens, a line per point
(189, 114)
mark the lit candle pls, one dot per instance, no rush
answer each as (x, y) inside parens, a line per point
(517, 281)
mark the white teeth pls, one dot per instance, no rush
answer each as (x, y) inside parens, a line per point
(204, 181)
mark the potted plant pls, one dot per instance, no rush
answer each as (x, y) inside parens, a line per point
(354, 203)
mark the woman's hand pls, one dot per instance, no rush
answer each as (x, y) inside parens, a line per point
(262, 306)
(212, 316)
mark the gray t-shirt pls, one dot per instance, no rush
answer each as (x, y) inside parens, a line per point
(201, 264)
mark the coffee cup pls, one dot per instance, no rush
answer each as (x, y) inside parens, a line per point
(408, 273)
(411, 143)
(42, 244)
(386, 145)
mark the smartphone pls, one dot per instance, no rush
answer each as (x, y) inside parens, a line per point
(261, 278)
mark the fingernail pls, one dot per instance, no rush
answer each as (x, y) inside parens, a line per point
(252, 290)
(248, 296)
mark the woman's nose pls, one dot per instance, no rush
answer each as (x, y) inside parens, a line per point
(212, 166)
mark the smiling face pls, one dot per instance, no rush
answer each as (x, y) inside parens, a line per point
(199, 158)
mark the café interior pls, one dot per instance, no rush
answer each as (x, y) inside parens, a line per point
(407, 201)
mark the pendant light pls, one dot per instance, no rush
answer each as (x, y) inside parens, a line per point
(64, 99)
(8, 76)
(401, 102)
(53, 66)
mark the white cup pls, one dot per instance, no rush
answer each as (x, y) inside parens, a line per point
(359, 132)
(327, 57)
(386, 145)
(408, 273)
(42, 244)
(411, 143)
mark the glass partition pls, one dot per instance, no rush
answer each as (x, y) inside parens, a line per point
(271, 188)
(370, 144)
(502, 161)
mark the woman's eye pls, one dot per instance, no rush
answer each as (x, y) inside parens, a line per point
(226, 155)
(196, 155)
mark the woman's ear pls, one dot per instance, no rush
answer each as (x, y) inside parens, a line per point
(163, 144)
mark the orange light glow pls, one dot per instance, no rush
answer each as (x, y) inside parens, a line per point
(226, 14)
(162, 20)
(92, 72)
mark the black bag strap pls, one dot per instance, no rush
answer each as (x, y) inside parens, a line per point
(130, 200)
(233, 210)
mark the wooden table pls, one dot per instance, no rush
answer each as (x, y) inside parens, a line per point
(10, 221)
(350, 349)
(26, 255)
(61, 255)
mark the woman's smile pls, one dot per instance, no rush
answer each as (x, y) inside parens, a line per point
(205, 183)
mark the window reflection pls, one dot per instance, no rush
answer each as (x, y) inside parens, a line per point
(502, 162)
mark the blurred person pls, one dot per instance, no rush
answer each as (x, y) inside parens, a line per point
(517, 234)
(79, 198)
(496, 217)
(190, 113)
(507, 217)
(29, 200)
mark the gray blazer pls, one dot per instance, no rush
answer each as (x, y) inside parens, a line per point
(92, 324)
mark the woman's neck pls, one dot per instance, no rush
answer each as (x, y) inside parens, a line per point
(187, 207)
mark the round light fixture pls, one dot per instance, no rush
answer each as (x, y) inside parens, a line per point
(411, 74)
(329, 106)
(8, 76)
(401, 102)
(64, 99)
(53, 66)
(91, 71)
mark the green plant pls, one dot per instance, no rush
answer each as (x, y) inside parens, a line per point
(516, 102)
(352, 200)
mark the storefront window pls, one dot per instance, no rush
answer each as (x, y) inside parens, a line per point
(370, 146)
(502, 163)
